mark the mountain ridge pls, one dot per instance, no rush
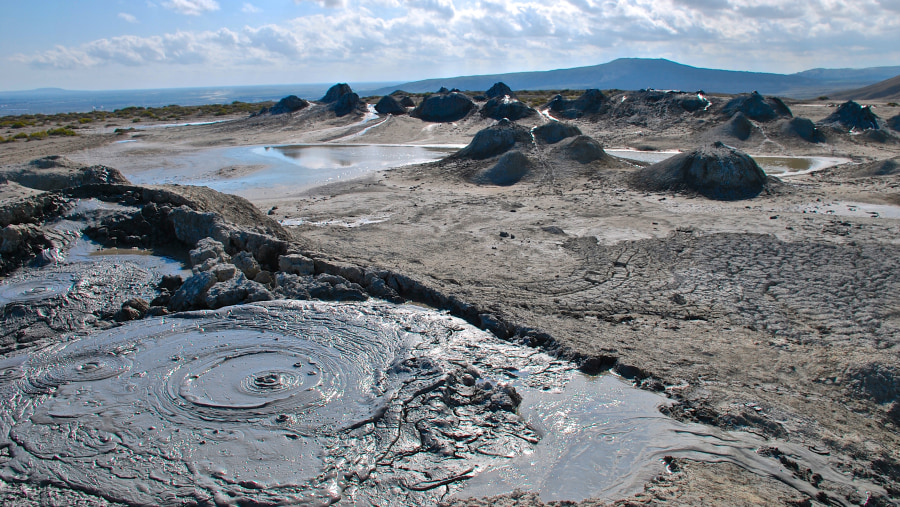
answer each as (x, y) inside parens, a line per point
(659, 73)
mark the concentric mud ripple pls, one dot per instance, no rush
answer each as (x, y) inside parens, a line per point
(280, 402)
(311, 403)
(35, 288)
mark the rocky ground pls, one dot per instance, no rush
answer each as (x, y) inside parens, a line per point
(775, 314)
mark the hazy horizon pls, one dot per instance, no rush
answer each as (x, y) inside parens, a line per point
(102, 45)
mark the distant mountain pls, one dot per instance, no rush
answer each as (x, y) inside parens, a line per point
(661, 74)
(57, 100)
(887, 90)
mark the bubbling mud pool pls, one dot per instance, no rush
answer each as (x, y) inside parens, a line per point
(291, 402)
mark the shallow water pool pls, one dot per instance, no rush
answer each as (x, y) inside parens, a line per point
(262, 172)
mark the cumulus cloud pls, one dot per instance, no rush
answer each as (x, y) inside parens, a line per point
(442, 8)
(250, 8)
(127, 17)
(468, 36)
(192, 7)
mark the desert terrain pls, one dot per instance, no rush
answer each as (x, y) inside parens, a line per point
(756, 304)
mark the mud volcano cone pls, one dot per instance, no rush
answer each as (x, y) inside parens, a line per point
(511, 168)
(852, 116)
(495, 140)
(715, 171)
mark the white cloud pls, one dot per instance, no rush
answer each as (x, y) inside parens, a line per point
(192, 7)
(418, 38)
(127, 17)
(250, 8)
(331, 4)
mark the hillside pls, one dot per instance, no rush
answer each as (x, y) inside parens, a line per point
(886, 90)
(637, 73)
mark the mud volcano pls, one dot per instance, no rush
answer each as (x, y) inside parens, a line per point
(715, 171)
(852, 116)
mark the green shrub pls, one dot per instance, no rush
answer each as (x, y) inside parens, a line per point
(85, 120)
(20, 135)
(136, 120)
(61, 132)
(823, 97)
(18, 125)
(893, 104)
(37, 136)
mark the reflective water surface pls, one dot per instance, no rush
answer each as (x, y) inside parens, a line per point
(279, 171)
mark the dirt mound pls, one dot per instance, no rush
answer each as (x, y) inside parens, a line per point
(403, 98)
(502, 107)
(738, 127)
(715, 171)
(510, 169)
(887, 167)
(554, 132)
(851, 115)
(444, 107)
(584, 149)
(499, 90)
(56, 172)
(55, 161)
(894, 123)
(494, 140)
(757, 107)
(336, 92)
(590, 102)
(389, 105)
(656, 103)
(289, 104)
(803, 128)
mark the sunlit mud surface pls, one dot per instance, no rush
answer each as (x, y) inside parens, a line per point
(315, 403)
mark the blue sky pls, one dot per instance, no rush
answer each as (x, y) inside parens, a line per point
(118, 44)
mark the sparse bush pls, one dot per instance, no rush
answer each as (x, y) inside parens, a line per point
(61, 132)
(136, 120)
(37, 136)
(823, 97)
(20, 135)
(893, 104)
(85, 120)
(18, 125)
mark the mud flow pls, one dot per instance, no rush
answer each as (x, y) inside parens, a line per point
(315, 403)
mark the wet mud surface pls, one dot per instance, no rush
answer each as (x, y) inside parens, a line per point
(313, 403)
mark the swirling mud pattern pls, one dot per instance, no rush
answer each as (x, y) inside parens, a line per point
(312, 403)
(286, 402)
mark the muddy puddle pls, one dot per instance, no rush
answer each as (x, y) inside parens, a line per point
(260, 172)
(291, 402)
(776, 166)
